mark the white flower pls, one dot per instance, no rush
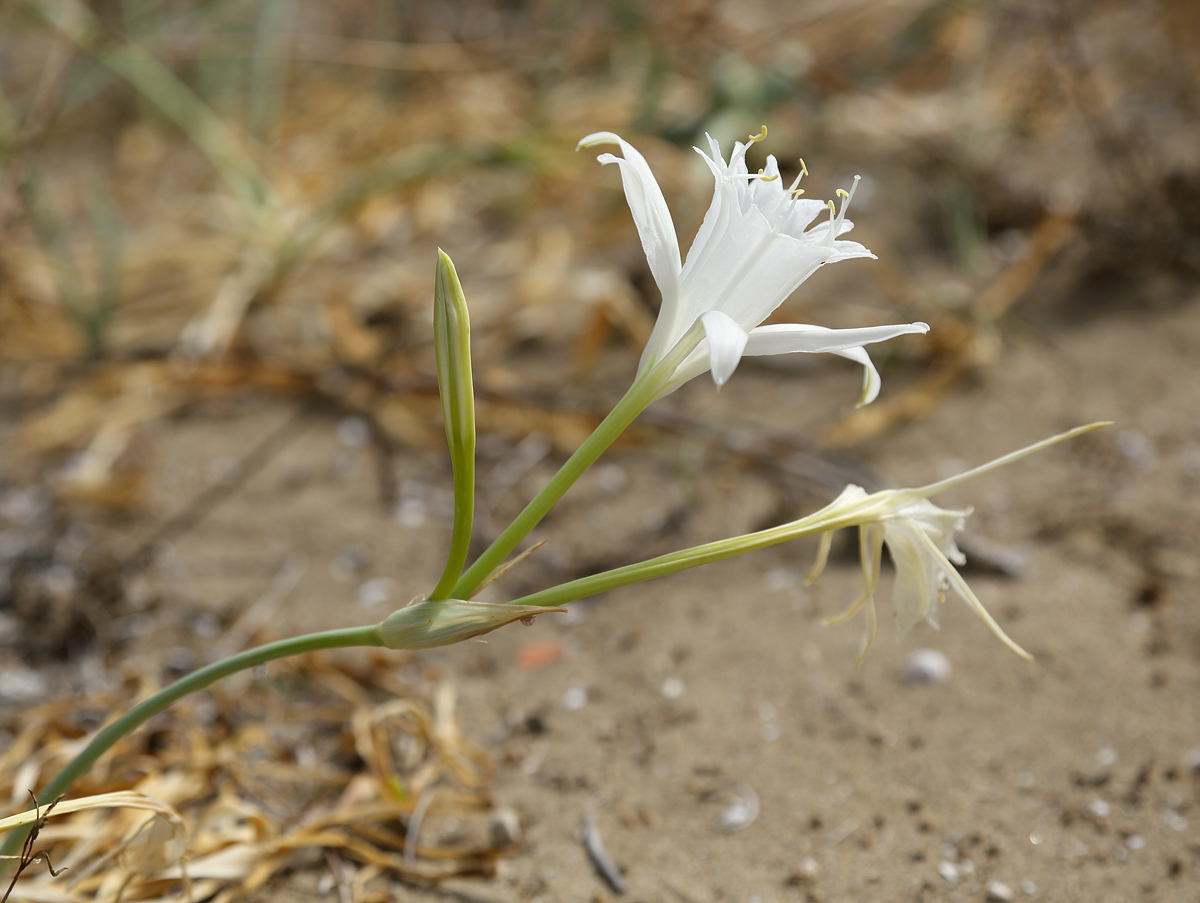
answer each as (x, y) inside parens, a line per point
(920, 538)
(753, 250)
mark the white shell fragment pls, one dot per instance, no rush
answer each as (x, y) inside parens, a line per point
(575, 699)
(925, 667)
(742, 812)
(999, 892)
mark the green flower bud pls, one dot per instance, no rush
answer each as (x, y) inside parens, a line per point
(452, 348)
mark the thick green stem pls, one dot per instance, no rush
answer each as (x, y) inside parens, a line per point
(197, 680)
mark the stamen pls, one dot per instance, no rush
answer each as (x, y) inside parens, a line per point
(803, 168)
(846, 197)
(761, 136)
(763, 178)
(796, 192)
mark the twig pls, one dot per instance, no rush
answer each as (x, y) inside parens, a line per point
(598, 856)
(27, 856)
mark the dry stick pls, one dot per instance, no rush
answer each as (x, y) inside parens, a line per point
(27, 856)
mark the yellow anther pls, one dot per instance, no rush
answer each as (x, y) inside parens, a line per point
(803, 168)
(767, 178)
(796, 192)
(832, 209)
(842, 193)
(760, 136)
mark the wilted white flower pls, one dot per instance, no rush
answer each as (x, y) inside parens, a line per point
(920, 538)
(753, 250)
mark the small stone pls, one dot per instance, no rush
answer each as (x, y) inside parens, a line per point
(575, 698)
(926, 667)
(376, 591)
(998, 892)
(1028, 888)
(506, 828)
(949, 872)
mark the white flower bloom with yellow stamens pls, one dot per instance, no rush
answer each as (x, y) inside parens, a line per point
(920, 538)
(756, 245)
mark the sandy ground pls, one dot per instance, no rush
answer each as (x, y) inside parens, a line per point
(1074, 778)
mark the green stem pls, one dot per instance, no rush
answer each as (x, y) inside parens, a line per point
(640, 395)
(671, 563)
(646, 388)
(197, 680)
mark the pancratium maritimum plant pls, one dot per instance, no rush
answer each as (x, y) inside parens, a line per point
(757, 244)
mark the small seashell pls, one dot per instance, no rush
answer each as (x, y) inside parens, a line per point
(998, 892)
(926, 667)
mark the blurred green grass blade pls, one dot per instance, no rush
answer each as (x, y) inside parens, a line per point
(268, 66)
(173, 98)
(52, 236)
(109, 232)
(452, 347)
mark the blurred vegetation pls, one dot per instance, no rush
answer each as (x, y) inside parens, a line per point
(202, 198)
(199, 199)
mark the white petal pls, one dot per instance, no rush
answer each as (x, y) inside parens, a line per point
(650, 215)
(918, 575)
(789, 338)
(1003, 460)
(726, 341)
(971, 599)
(871, 380)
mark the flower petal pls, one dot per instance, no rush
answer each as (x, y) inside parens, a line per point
(871, 380)
(650, 214)
(788, 338)
(918, 575)
(971, 599)
(726, 341)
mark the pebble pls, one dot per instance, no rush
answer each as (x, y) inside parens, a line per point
(506, 828)
(672, 688)
(21, 684)
(926, 667)
(999, 892)
(949, 873)
(575, 698)
(376, 591)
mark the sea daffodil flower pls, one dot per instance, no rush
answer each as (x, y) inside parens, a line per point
(753, 250)
(920, 538)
